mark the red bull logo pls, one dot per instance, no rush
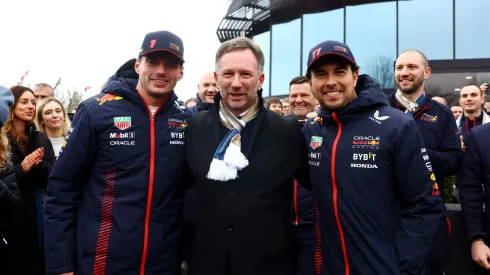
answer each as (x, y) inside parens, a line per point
(435, 190)
(108, 97)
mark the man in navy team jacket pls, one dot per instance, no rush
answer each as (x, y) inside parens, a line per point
(379, 206)
(114, 201)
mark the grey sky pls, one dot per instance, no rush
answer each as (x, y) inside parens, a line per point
(85, 42)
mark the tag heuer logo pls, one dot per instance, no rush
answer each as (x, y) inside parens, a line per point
(316, 142)
(123, 122)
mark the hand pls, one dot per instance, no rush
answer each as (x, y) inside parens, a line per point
(68, 273)
(484, 87)
(40, 151)
(462, 141)
(480, 253)
(31, 160)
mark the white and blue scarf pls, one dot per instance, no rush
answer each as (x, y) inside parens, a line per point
(228, 158)
(410, 106)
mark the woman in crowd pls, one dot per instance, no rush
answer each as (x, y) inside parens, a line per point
(32, 156)
(52, 120)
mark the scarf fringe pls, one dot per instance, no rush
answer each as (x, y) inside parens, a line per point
(219, 170)
(234, 157)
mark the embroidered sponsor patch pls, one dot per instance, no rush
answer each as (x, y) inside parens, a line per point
(176, 123)
(108, 97)
(428, 118)
(123, 122)
(316, 142)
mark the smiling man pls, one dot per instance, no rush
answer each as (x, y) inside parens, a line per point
(302, 103)
(243, 169)
(438, 128)
(114, 201)
(378, 203)
(207, 87)
(471, 99)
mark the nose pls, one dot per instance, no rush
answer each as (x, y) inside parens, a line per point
(236, 81)
(299, 100)
(161, 68)
(404, 71)
(330, 83)
(212, 88)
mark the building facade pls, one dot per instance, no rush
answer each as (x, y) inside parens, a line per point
(453, 34)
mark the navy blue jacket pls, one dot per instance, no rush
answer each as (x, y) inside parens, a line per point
(379, 206)
(438, 127)
(115, 195)
(303, 211)
(473, 180)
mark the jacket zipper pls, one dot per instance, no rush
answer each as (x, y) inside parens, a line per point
(150, 188)
(335, 193)
(296, 203)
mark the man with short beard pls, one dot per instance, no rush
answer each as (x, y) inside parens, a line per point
(371, 181)
(438, 128)
(471, 99)
(302, 103)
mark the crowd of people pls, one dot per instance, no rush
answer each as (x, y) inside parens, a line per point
(336, 178)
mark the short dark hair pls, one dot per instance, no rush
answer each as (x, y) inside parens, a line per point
(272, 100)
(315, 66)
(481, 92)
(298, 80)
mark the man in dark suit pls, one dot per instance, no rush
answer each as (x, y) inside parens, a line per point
(243, 158)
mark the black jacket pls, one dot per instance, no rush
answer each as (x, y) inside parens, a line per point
(473, 180)
(24, 255)
(243, 225)
(9, 200)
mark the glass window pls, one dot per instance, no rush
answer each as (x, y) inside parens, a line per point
(472, 19)
(371, 36)
(319, 27)
(427, 26)
(264, 41)
(285, 55)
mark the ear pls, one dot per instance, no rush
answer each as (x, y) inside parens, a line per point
(459, 100)
(216, 77)
(427, 73)
(355, 77)
(181, 73)
(137, 65)
(261, 81)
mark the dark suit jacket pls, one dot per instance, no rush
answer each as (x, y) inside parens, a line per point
(243, 225)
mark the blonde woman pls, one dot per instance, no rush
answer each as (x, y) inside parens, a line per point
(52, 120)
